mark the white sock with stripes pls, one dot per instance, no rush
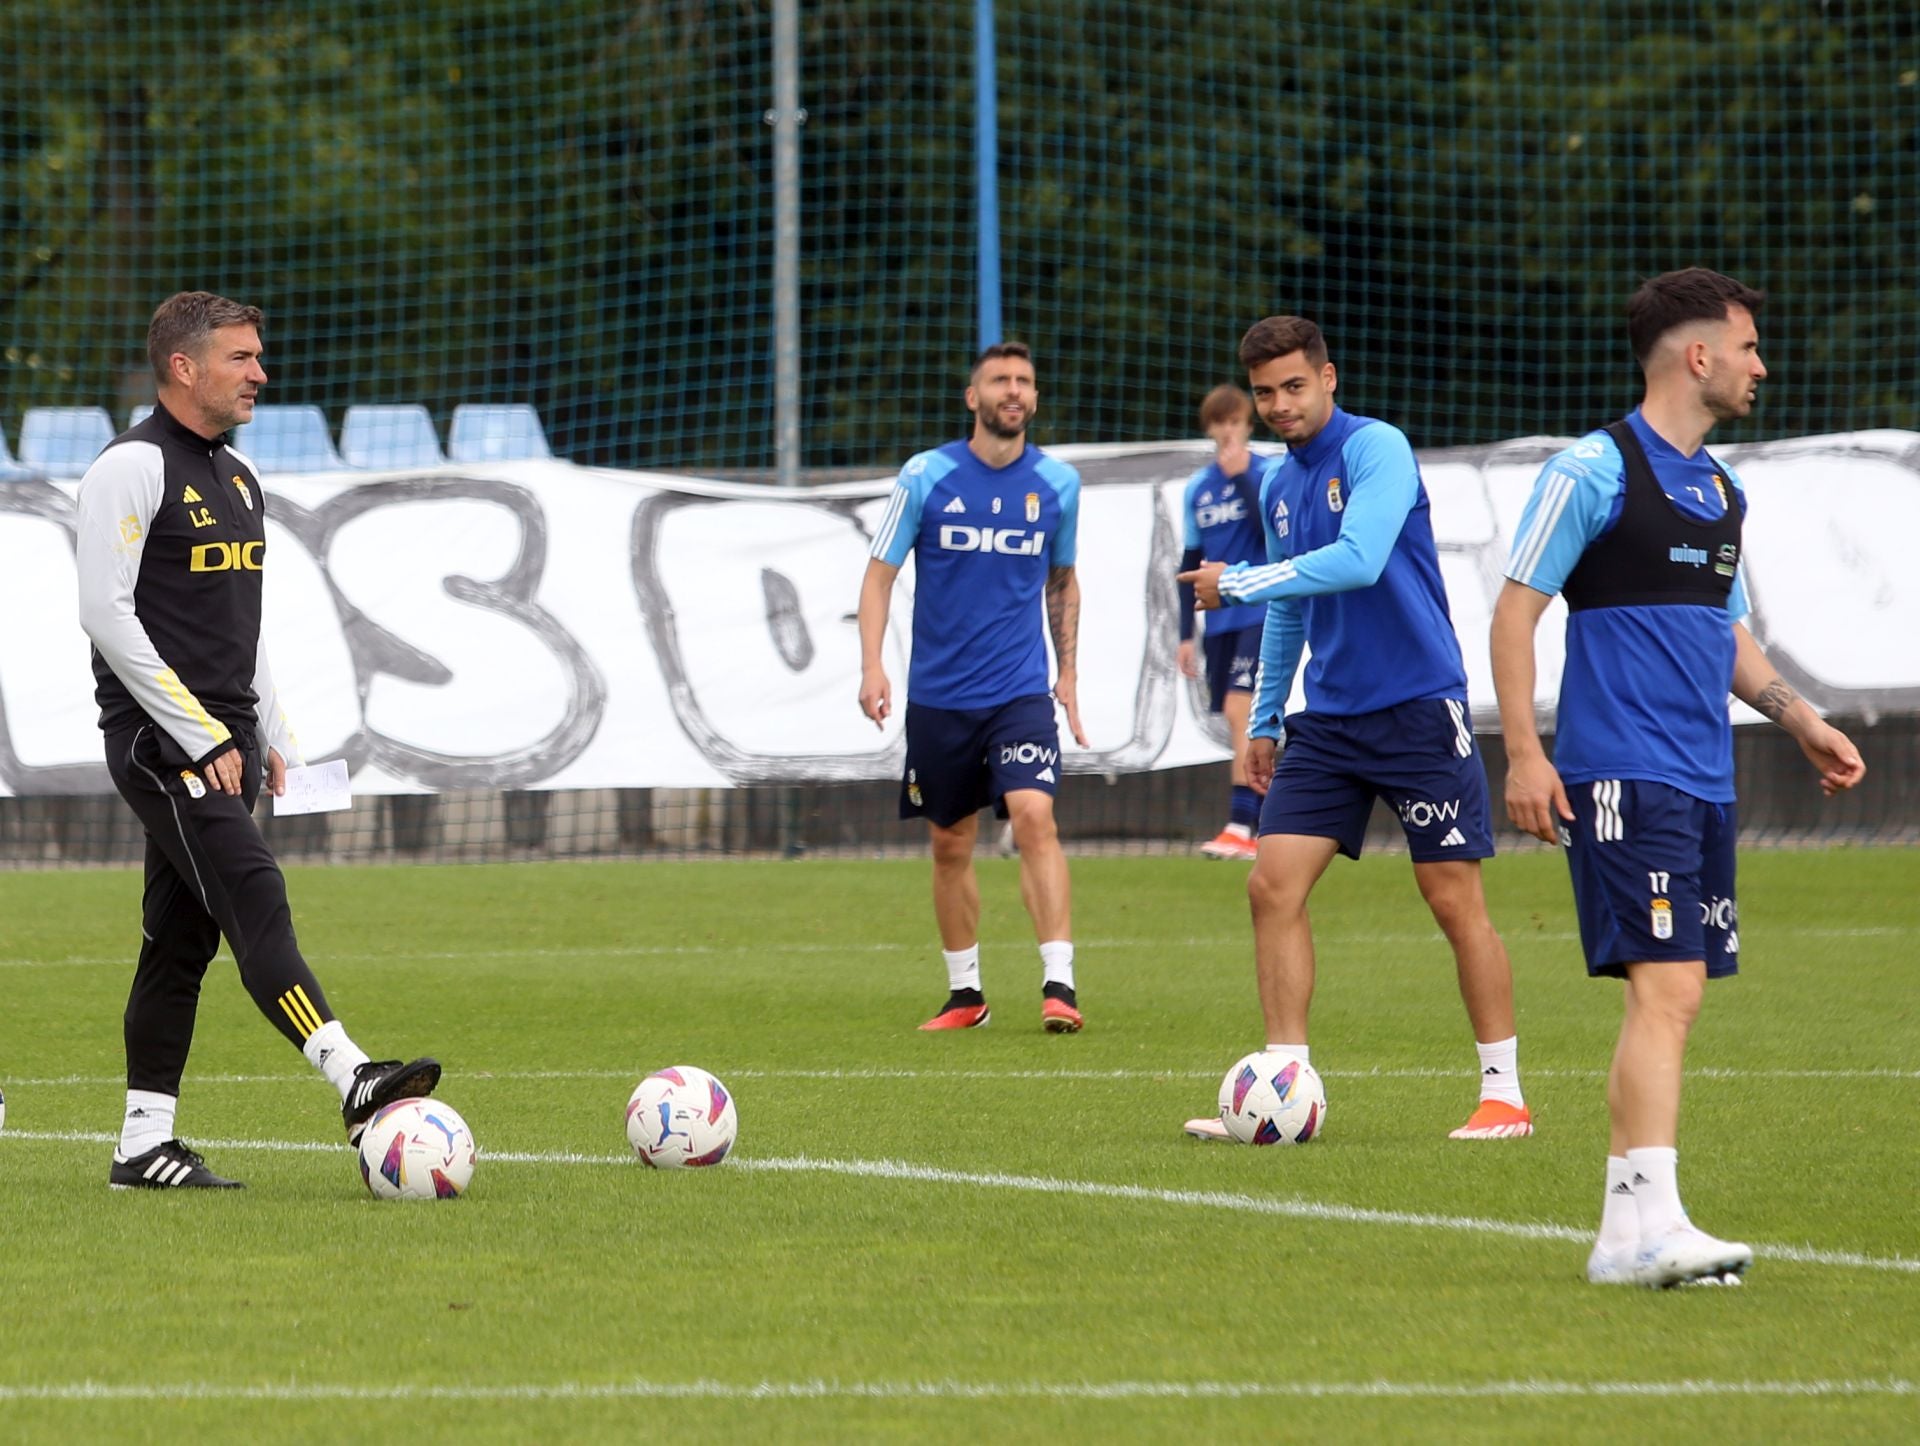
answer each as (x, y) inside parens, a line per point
(149, 1122)
(330, 1051)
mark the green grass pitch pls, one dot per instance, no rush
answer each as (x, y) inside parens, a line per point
(997, 1235)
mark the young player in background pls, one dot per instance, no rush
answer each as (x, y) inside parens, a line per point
(991, 523)
(1354, 572)
(1640, 528)
(1220, 518)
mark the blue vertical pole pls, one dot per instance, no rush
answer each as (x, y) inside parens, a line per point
(986, 170)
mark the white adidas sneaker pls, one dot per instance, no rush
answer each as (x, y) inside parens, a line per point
(1686, 1255)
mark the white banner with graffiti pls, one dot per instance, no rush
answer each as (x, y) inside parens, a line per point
(541, 625)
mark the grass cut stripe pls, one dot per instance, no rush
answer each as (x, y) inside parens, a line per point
(948, 1390)
(1085, 1189)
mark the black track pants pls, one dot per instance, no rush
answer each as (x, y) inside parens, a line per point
(209, 872)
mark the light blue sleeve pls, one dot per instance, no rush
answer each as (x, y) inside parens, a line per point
(1066, 485)
(1187, 517)
(1281, 642)
(1737, 604)
(899, 526)
(1383, 483)
(1572, 499)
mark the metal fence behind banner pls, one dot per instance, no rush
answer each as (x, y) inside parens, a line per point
(571, 205)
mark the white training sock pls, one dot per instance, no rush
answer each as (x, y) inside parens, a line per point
(330, 1051)
(149, 1122)
(1238, 830)
(1619, 1216)
(1500, 1071)
(963, 967)
(1292, 1051)
(1056, 962)
(1656, 1189)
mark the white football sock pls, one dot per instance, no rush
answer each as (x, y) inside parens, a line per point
(1500, 1071)
(1239, 830)
(149, 1122)
(1656, 1189)
(1619, 1216)
(963, 967)
(1292, 1051)
(330, 1051)
(1056, 962)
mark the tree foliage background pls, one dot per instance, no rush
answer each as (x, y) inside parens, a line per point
(571, 204)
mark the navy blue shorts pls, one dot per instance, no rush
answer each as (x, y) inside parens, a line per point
(959, 760)
(1233, 660)
(1420, 757)
(1652, 876)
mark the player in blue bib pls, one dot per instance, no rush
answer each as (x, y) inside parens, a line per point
(991, 524)
(1220, 513)
(1354, 574)
(1639, 528)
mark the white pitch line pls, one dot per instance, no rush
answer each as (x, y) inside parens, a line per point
(1240, 942)
(1049, 1185)
(951, 1390)
(1704, 1072)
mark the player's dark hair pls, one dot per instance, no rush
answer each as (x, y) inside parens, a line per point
(185, 321)
(1279, 336)
(1678, 297)
(1002, 349)
(1225, 404)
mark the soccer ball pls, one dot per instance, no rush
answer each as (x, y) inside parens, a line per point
(417, 1150)
(681, 1116)
(1273, 1099)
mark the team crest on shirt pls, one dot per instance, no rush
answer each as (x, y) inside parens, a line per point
(1281, 521)
(1334, 500)
(1033, 507)
(245, 495)
(1721, 488)
(1662, 919)
(1727, 561)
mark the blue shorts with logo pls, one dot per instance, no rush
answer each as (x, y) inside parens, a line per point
(1419, 757)
(959, 760)
(1233, 661)
(1652, 876)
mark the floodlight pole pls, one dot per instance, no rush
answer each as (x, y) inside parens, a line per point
(786, 117)
(986, 173)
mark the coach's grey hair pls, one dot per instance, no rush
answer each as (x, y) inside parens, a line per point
(185, 321)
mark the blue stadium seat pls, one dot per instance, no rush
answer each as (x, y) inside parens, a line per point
(283, 439)
(390, 437)
(63, 441)
(10, 470)
(496, 432)
(139, 414)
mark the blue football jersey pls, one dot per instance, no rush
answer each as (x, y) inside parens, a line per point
(1644, 691)
(1221, 515)
(983, 540)
(1353, 573)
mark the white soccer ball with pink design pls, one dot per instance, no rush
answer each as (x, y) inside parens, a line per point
(681, 1116)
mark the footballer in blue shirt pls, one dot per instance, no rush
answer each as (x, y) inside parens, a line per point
(991, 523)
(1353, 574)
(1220, 514)
(1638, 526)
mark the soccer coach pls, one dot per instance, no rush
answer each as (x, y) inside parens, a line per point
(170, 547)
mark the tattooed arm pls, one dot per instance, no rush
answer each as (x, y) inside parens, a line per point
(1756, 683)
(1063, 621)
